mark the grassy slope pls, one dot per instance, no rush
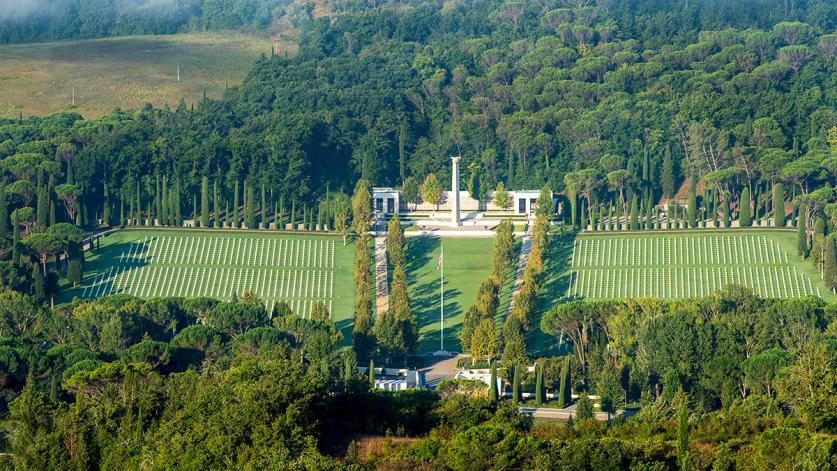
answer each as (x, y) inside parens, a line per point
(124, 72)
(113, 246)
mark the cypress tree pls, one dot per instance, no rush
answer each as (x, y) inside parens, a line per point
(829, 271)
(618, 216)
(164, 215)
(263, 208)
(4, 211)
(683, 459)
(121, 212)
(516, 386)
(371, 373)
(593, 218)
(178, 217)
(15, 239)
(778, 205)
(249, 206)
(492, 386)
(106, 204)
(564, 394)
(744, 218)
(38, 290)
(205, 202)
(70, 179)
(293, 215)
(194, 210)
(802, 235)
(226, 214)
(583, 217)
(539, 386)
(216, 205)
(692, 202)
(649, 212)
(668, 177)
(158, 202)
(573, 208)
(634, 214)
(138, 207)
(235, 220)
(725, 209)
(42, 210)
(610, 218)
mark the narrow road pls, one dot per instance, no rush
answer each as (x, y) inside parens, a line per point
(381, 287)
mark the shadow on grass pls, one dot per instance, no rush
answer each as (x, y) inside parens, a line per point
(557, 278)
(100, 274)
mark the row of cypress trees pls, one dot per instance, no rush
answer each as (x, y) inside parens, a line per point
(211, 209)
(641, 213)
(564, 396)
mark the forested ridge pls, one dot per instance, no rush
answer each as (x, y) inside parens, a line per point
(40, 20)
(524, 96)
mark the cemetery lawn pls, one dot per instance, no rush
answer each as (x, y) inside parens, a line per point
(298, 269)
(467, 263)
(688, 264)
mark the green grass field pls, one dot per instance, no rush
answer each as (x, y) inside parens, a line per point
(678, 265)
(295, 269)
(125, 72)
(467, 263)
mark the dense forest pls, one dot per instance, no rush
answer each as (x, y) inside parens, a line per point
(727, 382)
(526, 93)
(40, 20)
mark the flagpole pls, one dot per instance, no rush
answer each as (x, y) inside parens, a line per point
(442, 289)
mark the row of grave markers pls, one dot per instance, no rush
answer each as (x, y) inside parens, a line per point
(687, 282)
(230, 251)
(651, 251)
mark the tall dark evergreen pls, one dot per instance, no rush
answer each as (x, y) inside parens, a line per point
(564, 390)
(492, 384)
(668, 178)
(106, 205)
(692, 202)
(236, 222)
(725, 210)
(204, 202)
(744, 217)
(15, 239)
(778, 205)
(516, 385)
(263, 208)
(829, 272)
(539, 389)
(634, 214)
(802, 246)
(216, 205)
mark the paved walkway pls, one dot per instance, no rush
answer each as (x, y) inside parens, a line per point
(525, 248)
(439, 371)
(381, 287)
(563, 414)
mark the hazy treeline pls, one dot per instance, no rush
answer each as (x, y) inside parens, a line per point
(38, 20)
